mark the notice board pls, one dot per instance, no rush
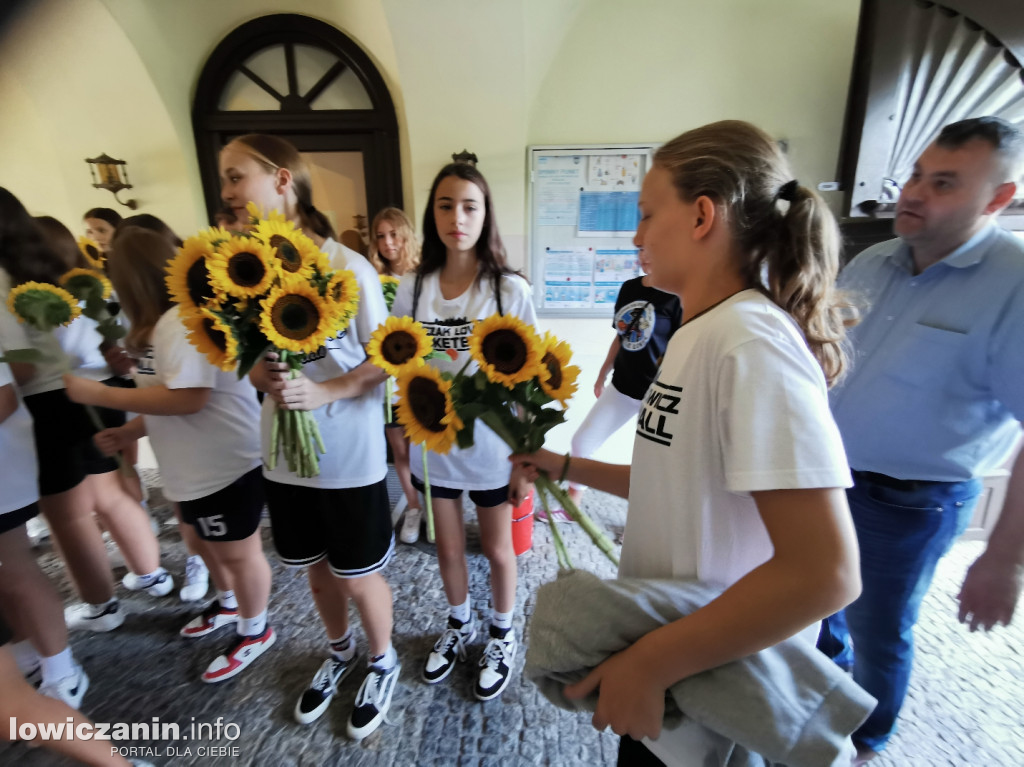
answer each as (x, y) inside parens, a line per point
(582, 204)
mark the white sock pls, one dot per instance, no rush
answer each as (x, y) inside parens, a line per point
(59, 666)
(502, 621)
(461, 612)
(387, 660)
(251, 627)
(150, 578)
(25, 656)
(344, 648)
(227, 600)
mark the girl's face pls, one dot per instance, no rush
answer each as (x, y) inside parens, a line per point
(459, 213)
(389, 242)
(662, 234)
(100, 231)
(244, 180)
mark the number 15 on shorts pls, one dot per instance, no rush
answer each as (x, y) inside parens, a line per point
(212, 527)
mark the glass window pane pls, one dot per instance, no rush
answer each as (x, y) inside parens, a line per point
(344, 92)
(243, 95)
(269, 64)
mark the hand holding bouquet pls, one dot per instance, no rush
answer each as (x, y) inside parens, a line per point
(269, 290)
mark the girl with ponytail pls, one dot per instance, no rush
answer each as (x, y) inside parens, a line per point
(738, 470)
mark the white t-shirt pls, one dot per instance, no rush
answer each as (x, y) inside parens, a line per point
(204, 452)
(352, 429)
(81, 343)
(484, 466)
(16, 335)
(19, 471)
(739, 405)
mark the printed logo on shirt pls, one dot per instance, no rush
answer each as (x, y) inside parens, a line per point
(656, 421)
(634, 323)
(449, 334)
(320, 353)
(146, 366)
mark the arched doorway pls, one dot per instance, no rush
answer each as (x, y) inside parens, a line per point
(302, 79)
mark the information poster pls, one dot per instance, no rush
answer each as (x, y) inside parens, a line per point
(581, 221)
(569, 277)
(611, 269)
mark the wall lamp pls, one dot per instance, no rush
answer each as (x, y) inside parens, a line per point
(111, 174)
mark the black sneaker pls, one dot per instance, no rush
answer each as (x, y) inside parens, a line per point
(496, 665)
(373, 701)
(322, 689)
(451, 646)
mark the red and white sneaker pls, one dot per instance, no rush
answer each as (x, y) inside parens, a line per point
(211, 619)
(242, 652)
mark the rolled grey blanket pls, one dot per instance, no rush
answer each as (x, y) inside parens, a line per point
(789, 704)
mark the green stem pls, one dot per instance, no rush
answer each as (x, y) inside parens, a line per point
(426, 497)
(388, 393)
(275, 432)
(602, 541)
(493, 420)
(564, 562)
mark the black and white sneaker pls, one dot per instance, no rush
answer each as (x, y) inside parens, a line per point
(373, 701)
(495, 665)
(87, 617)
(451, 646)
(322, 689)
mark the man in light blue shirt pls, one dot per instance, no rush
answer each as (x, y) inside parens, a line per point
(933, 401)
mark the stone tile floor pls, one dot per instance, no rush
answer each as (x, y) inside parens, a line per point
(962, 709)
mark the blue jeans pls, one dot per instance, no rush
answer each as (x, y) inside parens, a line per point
(902, 535)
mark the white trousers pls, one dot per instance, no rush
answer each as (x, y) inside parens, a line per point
(610, 412)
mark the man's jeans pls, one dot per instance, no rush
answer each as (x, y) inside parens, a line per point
(902, 535)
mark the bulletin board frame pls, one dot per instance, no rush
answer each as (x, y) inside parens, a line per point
(581, 218)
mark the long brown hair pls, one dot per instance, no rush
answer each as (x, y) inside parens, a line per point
(137, 265)
(785, 236)
(409, 253)
(24, 252)
(62, 242)
(273, 153)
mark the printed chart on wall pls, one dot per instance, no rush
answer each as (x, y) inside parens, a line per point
(583, 215)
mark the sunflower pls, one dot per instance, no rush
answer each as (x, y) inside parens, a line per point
(296, 253)
(256, 214)
(506, 348)
(81, 283)
(188, 278)
(42, 305)
(215, 235)
(242, 267)
(91, 250)
(296, 318)
(558, 379)
(213, 337)
(427, 413)
(398, 345)
(342, 293)
(389, 286)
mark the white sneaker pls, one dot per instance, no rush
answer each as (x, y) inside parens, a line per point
(411, 526)
(322, 689)
(71, 689)
(94, 617)
(197, 579)
(495, 666)
(37, 530)
(160, 586)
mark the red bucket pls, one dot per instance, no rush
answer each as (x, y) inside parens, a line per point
(522, 525)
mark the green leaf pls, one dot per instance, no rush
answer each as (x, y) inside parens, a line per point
(23, 355)
(251, 354)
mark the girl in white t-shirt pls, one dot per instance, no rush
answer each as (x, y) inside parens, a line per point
(738, 470)
(338, 523)
(393, 252)
(463, 277)
(202, 424)
(75, 479)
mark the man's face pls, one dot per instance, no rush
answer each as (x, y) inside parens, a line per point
(948, 195)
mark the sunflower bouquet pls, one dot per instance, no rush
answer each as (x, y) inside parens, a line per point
(519, 375)
(42, 305)
(270, 289)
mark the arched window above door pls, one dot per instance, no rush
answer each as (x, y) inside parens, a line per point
(300, 78)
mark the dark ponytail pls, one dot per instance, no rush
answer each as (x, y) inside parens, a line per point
(24, 252)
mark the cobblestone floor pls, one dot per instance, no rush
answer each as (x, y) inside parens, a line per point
(962, 709)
